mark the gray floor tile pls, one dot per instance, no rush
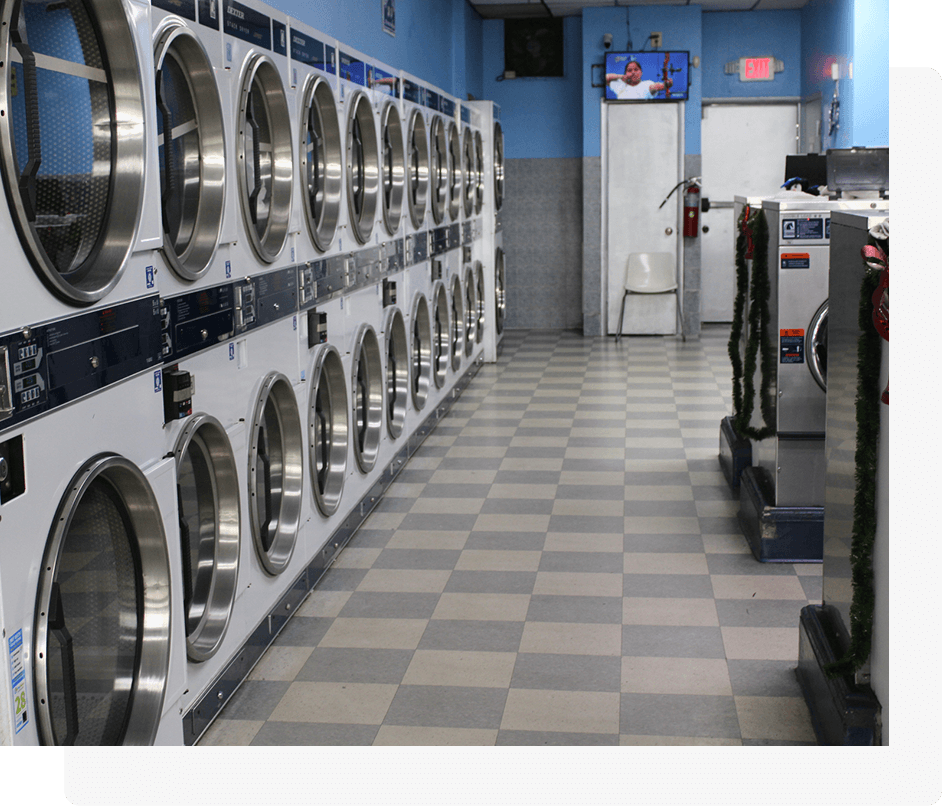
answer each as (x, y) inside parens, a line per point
(534, 452)
(580, 492)
(679, 715)
(301, 734)
(668, 586)
(508, 541)
(470, 463)
(342, 579)
(587, 524)
(583, 561)
(575, 609)
(365, 604)
(527, 477)
(454, 491)
(668, 478)
(594, 465)
(672, 642)
(420, 559)
(653, 544)
(567, 672)
(517, 506)
(447, 706)
(304, 631)
(739, 564)
(376, 538)
(531, 738)
(255, 699)
(421, 521)
(661, 508)
(813, 586)
(341, 665)
(763, 678)
(476, 636)
(720, 526)
(758, 613)
(491, 581)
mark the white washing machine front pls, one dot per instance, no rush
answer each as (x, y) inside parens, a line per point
(263, 164)
(193, 113)
(79, 230)
(415, 117)
(91, 622)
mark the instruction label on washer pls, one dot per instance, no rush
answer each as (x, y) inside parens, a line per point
(792, 346)
(796, 260)
(18, 677)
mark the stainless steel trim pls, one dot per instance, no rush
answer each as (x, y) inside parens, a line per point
(500, 295)
(328, 428)
(457, 323)
(366, 394)
(438, 170)
(470, 178)
(204, 458)
(397, 370)
(498, 167)
(199, 198)
(816, 346)
(478, 173)
(362, 166)
(265, 188)
(455, 172)
(117, 148)
(321, 161)
(420, 371)
(470, 311)
(276, 472)
(148, 627)
(482, 302)
(394, 169)
(417, 174)
(441, 334)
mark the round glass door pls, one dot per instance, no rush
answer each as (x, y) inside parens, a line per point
(394, 169)
(498, 166)
(478, 173)
(321, 162)
(421, 365)
(191, 151)
(397, 371)
(482, 302)
(209, 517)
(328, 429)
(500, 300)
(72, 140)
(439, 169)
(266, 162)
(455, 172)
(101, 644)
(457, 322)
(362, 166)
(276, 473)
(470, 182)
(470, 311)
(816, 347)
(367, 386)
(417, 173)
(441, 335)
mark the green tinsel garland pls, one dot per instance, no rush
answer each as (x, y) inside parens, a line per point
(757, 344)
(869, 360)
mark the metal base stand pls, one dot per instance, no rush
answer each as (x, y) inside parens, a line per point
(735, 453)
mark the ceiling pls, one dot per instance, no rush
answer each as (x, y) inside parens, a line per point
(505, 9)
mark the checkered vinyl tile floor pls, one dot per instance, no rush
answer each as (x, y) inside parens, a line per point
(559, 563)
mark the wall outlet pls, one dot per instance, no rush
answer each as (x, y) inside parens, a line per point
(656, 39)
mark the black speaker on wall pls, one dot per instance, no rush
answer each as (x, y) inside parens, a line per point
(533, 48)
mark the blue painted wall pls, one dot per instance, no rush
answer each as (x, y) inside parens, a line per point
(828, 37)
(435, 39)
(541, 117)
(871, 82)
(727, 36)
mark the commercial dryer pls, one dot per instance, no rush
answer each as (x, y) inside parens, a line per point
(90, 627)
(78, 224)
(193, 112)
(263, 142)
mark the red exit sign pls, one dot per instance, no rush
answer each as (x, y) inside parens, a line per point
(761, 69)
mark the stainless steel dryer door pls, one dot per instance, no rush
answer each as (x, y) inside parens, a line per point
(362, 166)
(417, 175)
(72, 140)
(101, 644)
(321, 162)
(394, 170)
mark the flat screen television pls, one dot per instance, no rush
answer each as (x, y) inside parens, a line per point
(647, 76)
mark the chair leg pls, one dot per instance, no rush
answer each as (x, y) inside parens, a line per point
(621, 318)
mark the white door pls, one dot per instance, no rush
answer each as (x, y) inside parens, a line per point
(644, 160)
(743, 150)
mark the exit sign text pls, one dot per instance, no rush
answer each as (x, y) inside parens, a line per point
(761, 69)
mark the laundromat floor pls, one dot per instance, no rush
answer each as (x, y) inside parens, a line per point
(559, 563)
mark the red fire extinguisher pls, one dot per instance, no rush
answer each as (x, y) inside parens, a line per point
(691, 210)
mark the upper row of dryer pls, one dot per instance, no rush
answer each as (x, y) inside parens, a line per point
(257, 144)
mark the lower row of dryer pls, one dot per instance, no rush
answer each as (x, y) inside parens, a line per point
(144, 549)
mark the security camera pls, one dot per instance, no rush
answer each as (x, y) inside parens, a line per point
(607, 41)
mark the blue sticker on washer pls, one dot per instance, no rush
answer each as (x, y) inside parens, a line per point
(307, 50)
(247, 24)
(352, 69)
(18, 679)
(384, 82)
(185, 8)
(279, 38)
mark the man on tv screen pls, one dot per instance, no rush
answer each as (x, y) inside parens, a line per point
(630, 87)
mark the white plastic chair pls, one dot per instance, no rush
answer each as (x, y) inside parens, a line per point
(650, 273)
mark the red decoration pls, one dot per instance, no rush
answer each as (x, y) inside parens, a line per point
(877, 259)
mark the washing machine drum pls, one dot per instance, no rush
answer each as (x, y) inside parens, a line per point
(102, 631)
(73, 169)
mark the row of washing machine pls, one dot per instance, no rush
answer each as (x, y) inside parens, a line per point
(247, 270)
